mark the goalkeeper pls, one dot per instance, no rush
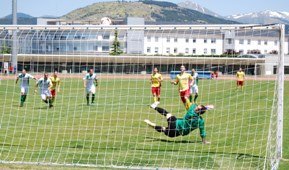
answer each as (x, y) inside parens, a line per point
(183, 126)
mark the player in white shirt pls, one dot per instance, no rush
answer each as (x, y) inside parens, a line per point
(44, 84)
(90, 83)
(194, 90)
(24, 85)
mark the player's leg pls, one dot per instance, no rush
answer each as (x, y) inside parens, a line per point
(196, 92)
(242, 85)
(22, 97)
(92, 94)
(153, 125)
(43, 97)
(87, 90)
(191, 94)
(53, 95)
(153, 90)
(171, 129)
(185, 98)
(49, 98)
(158, 95)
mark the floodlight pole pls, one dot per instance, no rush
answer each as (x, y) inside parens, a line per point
(280, 101)
(14, 36)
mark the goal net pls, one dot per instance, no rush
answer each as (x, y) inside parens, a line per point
(77, 127)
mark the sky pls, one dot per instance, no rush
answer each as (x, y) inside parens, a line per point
(38, 8)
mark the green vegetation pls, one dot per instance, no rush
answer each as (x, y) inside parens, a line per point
(115, 49)
(112, 131)
(5, 49)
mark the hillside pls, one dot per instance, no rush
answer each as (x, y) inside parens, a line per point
(154, 12)
(22, 19)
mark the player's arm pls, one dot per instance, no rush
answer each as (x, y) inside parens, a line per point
(50, 85)
(203, 131)
(95, 81)
(17, 79)
(175, 82)
(84, 82)
(36, 86)
(192, 80)
(58, 86)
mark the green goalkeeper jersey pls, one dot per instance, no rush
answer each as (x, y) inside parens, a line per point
(190, 122)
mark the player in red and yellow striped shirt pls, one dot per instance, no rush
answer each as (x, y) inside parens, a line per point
(156, 80)
(55, 85)
(185, 81)
(240, 79)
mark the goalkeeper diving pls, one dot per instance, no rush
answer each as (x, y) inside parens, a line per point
(183, 126)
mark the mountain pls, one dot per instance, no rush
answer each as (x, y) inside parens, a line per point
(154, 12)
(194, 6)
(263, 17)
(22, 19)
(19, 15)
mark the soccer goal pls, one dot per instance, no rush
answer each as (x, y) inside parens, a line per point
(142, 97)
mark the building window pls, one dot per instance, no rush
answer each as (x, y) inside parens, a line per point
(248, 41)
(265, 42)
(187, 50)
(168, 39)
(95, 48)
(241, 41)
(276, 42)
(205, 40)
(149, 39)
(175, 40)
(106, 37)
(213, 40)
(229, 40)
(75, 48)
(194, 51)
(156, 50)
(205, 51)
(194, 40)
(187, 40)
(168, 50)
(148, 49)
(105, 48)
(175, 50)
(259, 42)
(213, 51)
(241, 51)
(156, 39)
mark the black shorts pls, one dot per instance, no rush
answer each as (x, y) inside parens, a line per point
(171, 130)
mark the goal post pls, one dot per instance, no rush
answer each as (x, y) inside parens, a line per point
(107, 126)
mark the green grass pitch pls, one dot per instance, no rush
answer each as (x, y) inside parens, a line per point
(112, 131)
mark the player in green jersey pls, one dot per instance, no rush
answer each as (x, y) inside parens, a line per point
(183, 126)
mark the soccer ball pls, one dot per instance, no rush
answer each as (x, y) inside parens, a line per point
(105, 21)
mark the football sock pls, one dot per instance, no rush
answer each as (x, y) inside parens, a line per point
(195, 98)
(159, 128)
(161, 111)
(87, 98)
(187, 104)
(191, 98)
(159, 99)
(155, 99)
(92, 98)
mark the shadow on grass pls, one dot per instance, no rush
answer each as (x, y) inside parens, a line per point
(170, 141)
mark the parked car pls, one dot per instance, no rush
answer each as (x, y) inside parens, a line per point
(251, 56)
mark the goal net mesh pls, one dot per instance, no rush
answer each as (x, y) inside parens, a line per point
(241, 129)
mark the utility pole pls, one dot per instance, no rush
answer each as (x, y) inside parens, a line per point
(14, 36)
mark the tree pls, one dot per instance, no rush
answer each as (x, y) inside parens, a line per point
(5, 49)
(115, 49)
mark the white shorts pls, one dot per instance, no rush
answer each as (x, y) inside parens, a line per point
(24, 90)
(45, 94)
(90, 89)
(194, 90)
